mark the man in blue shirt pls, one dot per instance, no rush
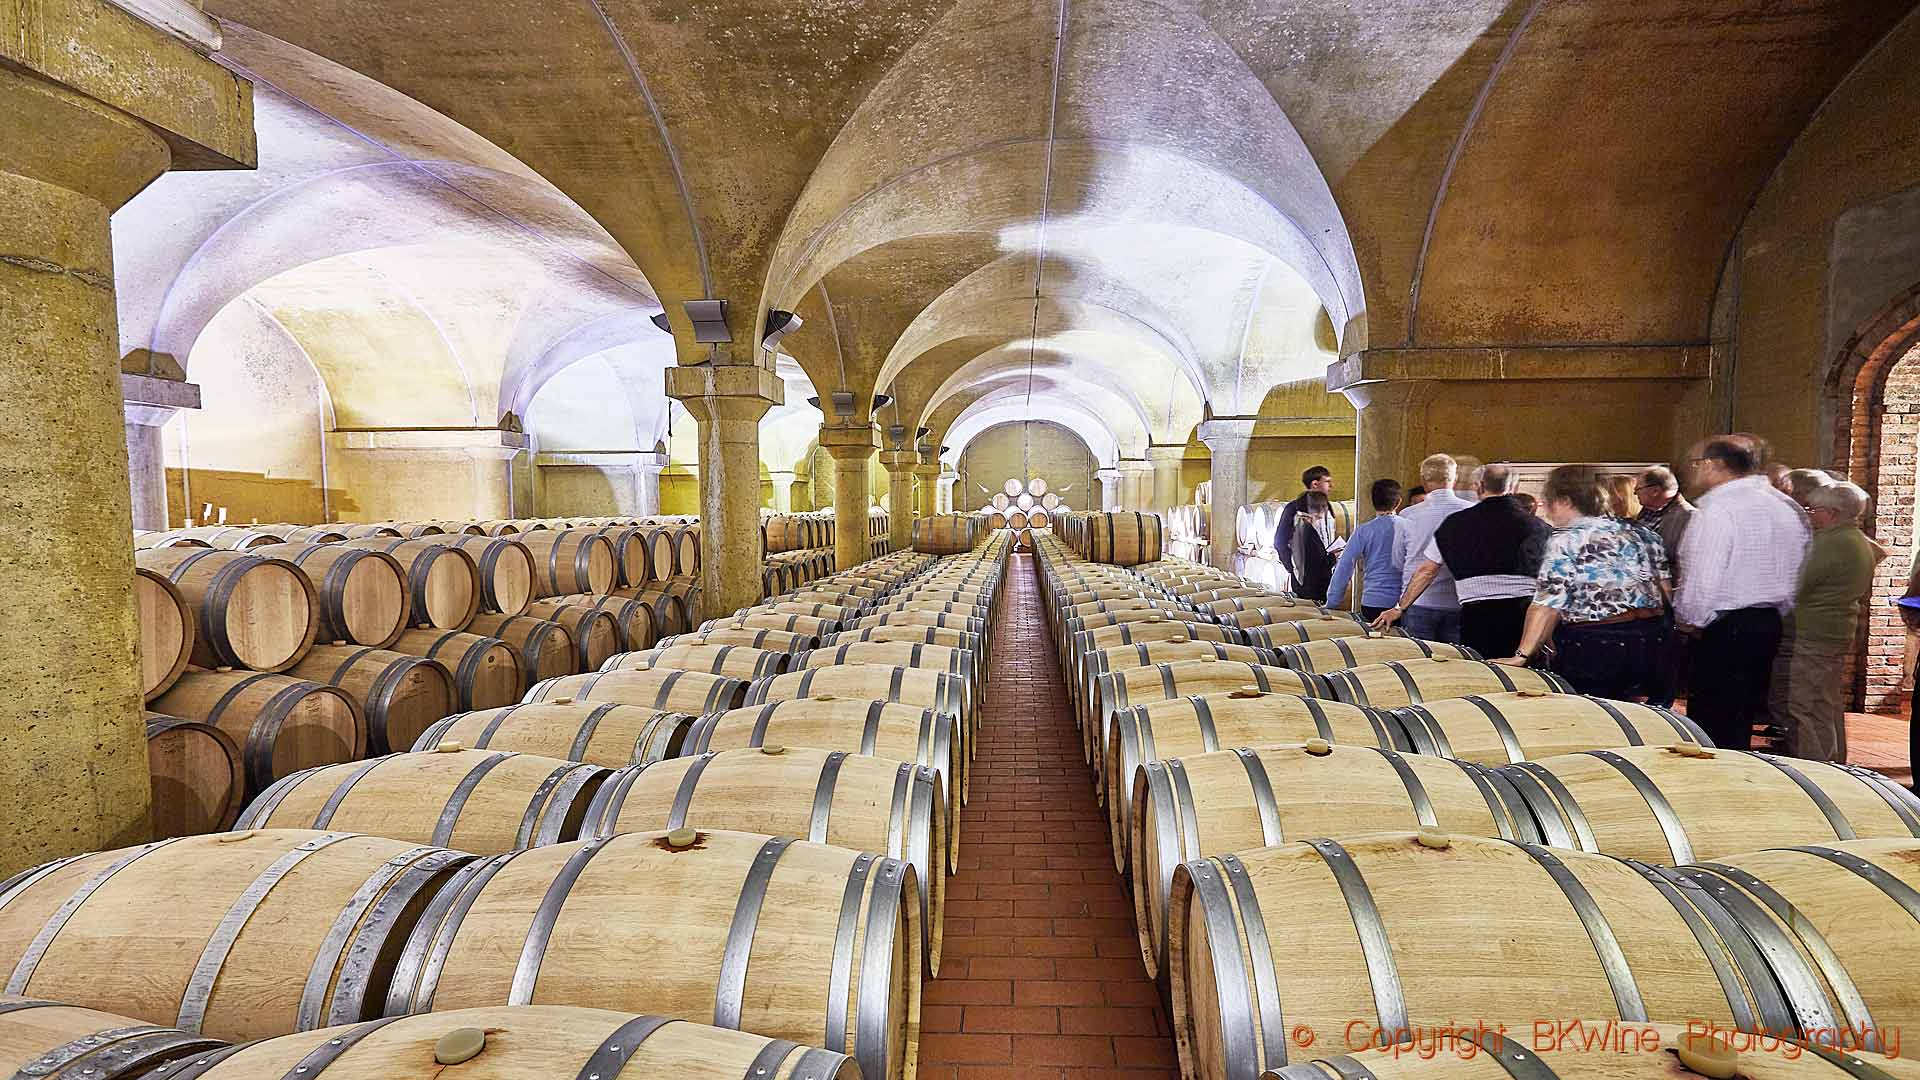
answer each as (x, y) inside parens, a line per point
(1371, 547)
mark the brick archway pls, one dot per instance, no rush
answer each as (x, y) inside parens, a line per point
(1873, 394)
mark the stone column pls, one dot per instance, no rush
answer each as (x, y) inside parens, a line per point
(1227, 441)
(646, 479)
(926, 499)
(149, 403)
(94, 104)
(783, 481)
(1136, 484)
(1166, 459)
(947, 480)
(727, 402)
(852, 449)
(1109, 488)
(1390, 434)
(900, 465)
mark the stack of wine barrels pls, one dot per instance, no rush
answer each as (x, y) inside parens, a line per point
(1187, 533)
(797, 548)
(1121, 539)
(1406, 836)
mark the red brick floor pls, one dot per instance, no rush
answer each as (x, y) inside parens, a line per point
(1041, 977)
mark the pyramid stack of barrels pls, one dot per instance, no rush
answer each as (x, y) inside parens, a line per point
(721, 849)
(1363, 856)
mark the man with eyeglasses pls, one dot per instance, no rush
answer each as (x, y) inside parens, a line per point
(1664, 510)
(1740, 564)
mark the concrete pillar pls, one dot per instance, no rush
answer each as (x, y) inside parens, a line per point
(782, 490)
(852, 449)
(1391, 433)
(1227, 441)
(148, 404)
(94, 104)
(900, 465)
(727, 402)
(1109, 488)
(1166, 459)
(947, 480)
(927, 492)
(646, 479)
(1136, 484)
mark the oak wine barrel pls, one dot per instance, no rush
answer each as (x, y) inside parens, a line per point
(570, 561)
(670, 614)
(1332, 625)
(811, 625)
(1122, 689)
(605, 733)
(734, 661)
(1122, 539)
(224, 537)
(1397, 683)
(1196, 805)
(487, 672)
(636, 622)
(1495, 729)
(1333, 654)
(769, 640)
(166, 631)
(363, 530)
(505, 567)
(879, 728)
(877, 682)
(400, 695)
(632, 555)
(443, 582)
(1413, 933)
(669, 690)
(249, 612)
(236, 935)
(528, 1042)
(483, 801)
(363, 594)
(199, 781)
(546, 648)
(596, 632)
(853, 801)
(46, 1040)
(282, 724)
(533, 927)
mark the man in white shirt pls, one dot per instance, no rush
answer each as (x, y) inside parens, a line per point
(1742, 550)
(1433, 612)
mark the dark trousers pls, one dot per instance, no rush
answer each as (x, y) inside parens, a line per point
(1492, 627)
(1732, 672)
(1613, 660)
(1370, 613)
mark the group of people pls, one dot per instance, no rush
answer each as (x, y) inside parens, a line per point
(1748, 600)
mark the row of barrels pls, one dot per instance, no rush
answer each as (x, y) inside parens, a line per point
(1115, 537)
(1344, 840)
(949, 534)
(796, 532)
(507, 878)
(1035, 518)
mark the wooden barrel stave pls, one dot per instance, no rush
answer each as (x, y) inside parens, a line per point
(609, 734)
(1398, 683)
(733, 661)
(669, 690)
(1499, 728)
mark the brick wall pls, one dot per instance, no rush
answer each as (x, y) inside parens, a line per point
(1885, 444)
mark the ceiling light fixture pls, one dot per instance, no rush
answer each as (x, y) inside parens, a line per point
(779, 325)
(709, 319)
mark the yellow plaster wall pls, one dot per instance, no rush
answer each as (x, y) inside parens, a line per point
(1037, 448)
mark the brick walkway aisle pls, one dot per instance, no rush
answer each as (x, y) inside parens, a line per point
(1041, 978)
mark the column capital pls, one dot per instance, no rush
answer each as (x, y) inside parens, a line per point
(1106, 474)
(1166, 451)
(1135, 465)
(151, 402)
(720, 392)
(849, 441)
(1227, 431)
(1391, 393)
(900, 462)
(927, 469)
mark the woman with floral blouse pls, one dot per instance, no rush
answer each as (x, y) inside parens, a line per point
(1600, 605)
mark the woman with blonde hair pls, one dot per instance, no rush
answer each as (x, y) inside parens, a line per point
(1622, 502)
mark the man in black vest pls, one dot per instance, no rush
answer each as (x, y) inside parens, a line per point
(1493, 551)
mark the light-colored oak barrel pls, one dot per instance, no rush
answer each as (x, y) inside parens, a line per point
(225, 537)
(605, 733)
(570, 561)
(363, 594)
(596, 632)
(667, 689)
(835, 612)
(46, 1040)
(528, 1042)
(636, 622)
(546, 648)
(400, 695)
(926, 688)
(770, 640)
(282, 724)
(1127, 687)
(1333, 625)
(734, 661)
(662, 552)
(199, 781)
(1189, 807)
(877, 728)
(1017, 519)
(1396, 683)
(1685, 803)
(1131, 603)
(912, 635)
(443, 582)
(362, 530)
(1134, 616)
(1394, 933)
(1576, 1048)
(1846, 913)
(946, 607)
(876, 804)
(487, 672)
(1333, 654)
(312, 534)
(563, 924)
(236, 935)
(670, 614)
(970, 624)
(1225, 595)
(506, 570)
(1142, 633)
(1123, 539)
(483, 801)
(953, 661)
(947, 534)
(811, 625)
(499, 528)
(455, 528)
(1089, 666)
(686, 553)
(632, 555)
(1495, 729)
(1205, 723)
(166, 631)
(248, 611)
(1302, 612)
